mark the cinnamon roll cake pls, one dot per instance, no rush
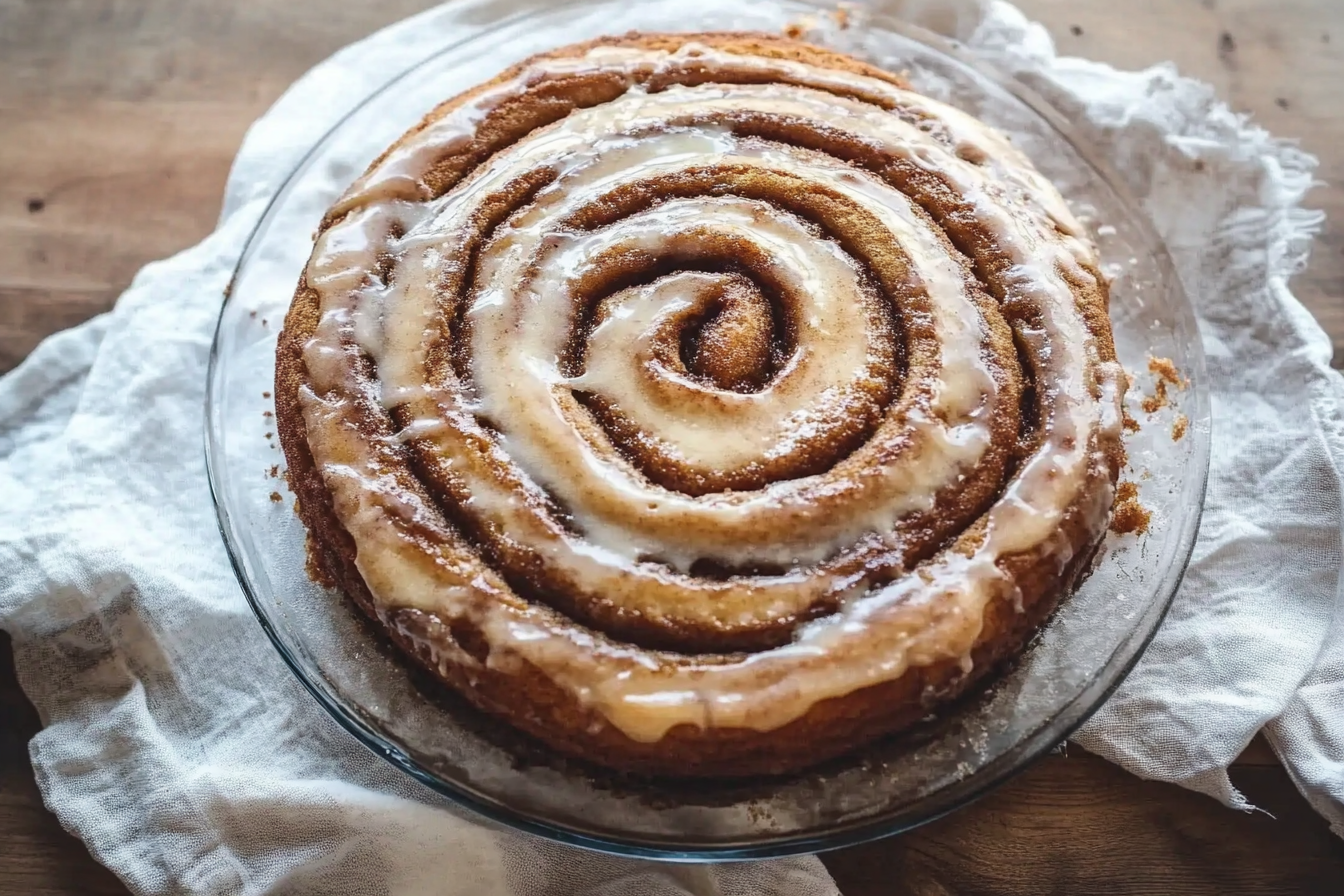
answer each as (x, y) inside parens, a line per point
(702, 404)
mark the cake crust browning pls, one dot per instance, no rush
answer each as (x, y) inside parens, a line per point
(1020, 584)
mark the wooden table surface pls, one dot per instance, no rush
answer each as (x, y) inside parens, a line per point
(118, 121)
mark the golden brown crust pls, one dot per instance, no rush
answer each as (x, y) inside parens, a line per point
(528, 697)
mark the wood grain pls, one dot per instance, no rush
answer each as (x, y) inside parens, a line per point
(1081, 825)
(1281, 63)
(120, 119)
(36, 856)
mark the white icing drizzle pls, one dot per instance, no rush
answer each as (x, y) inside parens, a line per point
(520, 319)
(514, 339)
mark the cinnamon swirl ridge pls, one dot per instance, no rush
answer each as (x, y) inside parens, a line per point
(702, 404)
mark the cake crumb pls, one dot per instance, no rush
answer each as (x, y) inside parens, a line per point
(1166, 371)
(275, 497)
(1179, 426)
(1130, 517)
(842, 16)
(269, 434)
(275, 471)
(800, 26)
(265, 395)
(267, 414)
(1128, 422)
(1157, 401)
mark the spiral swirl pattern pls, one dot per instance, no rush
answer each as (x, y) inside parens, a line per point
(670, 392)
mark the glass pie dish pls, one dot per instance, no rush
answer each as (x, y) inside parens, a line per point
(955, 754)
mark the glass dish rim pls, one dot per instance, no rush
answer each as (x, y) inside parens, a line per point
(939, 803)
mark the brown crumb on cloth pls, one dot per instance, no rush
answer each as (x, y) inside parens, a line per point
(1129, 517)
(1179, 427)
(276, 497)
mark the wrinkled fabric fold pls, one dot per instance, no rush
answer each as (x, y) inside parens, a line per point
(1253, 636)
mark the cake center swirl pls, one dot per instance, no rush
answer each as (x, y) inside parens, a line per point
(708, 385)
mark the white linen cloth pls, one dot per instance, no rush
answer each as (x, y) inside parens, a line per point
(178, 747)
